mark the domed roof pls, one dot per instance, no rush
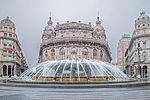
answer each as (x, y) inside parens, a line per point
(142, 18)
(49, 28)
(7, 22)
(98, 25)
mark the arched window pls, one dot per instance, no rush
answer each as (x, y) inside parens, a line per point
(145, 71)
(94, 35)
(54, 34)
(85, 33)
(62, 34)
(84, 53)
(73, 33)
(13, 71)
(94, 53)
(4, 70)
(9, 70)
(46, 54)
(73, 52)
(101, 54)
(49, 37)
(144, 56)
(62, 53)
(52, 53)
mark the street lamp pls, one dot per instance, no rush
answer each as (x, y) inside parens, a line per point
(139, 68)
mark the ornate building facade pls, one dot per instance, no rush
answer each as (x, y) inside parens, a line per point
(138, 52)
(74, 41)
(12, 60)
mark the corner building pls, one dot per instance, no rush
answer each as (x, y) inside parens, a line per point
(74, 41)
(138, 52)
(12, 60)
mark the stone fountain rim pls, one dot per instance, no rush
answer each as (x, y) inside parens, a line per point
(77, 86)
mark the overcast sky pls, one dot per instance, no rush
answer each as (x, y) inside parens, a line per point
(31, 16)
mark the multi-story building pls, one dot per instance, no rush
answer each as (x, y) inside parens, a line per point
(12, 60)
(74, 41)
(138, 54)
(121, 49)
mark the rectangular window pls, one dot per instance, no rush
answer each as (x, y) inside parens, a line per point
(10, 41)
(9, 58)
(5, 40)
(139, 58)
(144, 44)
(4, 57)
(10, 52)
(144, 58)
(10, 29)
(5, 45)
(10, 46)
(5, 34)
(138, 45)
(5, 51)
(73, 33)
(5, 28)
(10, 35)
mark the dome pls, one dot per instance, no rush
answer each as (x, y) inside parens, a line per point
(98, 26)
(142, 19)
(74, 70)
(49, 28)
(7, 22)
(50, 21)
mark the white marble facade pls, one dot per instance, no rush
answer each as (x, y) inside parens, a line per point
(138, 56)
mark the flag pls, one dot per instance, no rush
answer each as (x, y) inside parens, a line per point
(9, 48)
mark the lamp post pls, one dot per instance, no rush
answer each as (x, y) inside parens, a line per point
(139, 69)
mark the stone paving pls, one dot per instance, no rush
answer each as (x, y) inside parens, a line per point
(24, 93)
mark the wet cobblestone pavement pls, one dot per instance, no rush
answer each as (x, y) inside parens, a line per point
(24, 93)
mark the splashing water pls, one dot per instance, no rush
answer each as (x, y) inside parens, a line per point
(74, 70)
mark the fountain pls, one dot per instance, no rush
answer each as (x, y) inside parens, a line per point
(73, 53)
(73, 72)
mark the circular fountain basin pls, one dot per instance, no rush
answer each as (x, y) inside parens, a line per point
(73, 72)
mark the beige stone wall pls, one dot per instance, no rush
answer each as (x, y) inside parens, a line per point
(12, 48)
(74, 35)
(78, 55)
